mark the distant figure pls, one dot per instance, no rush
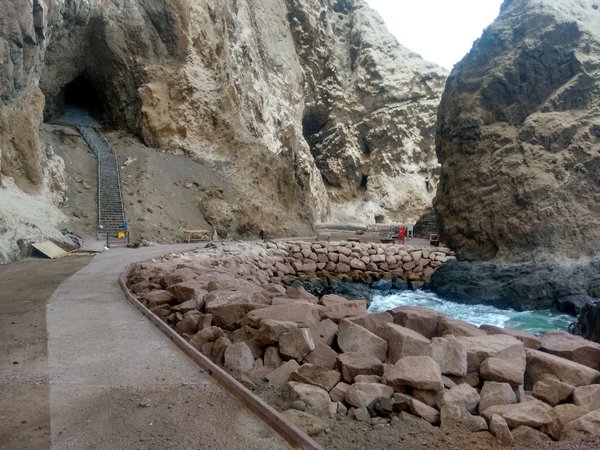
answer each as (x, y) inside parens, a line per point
(427, 185)
(401, 235)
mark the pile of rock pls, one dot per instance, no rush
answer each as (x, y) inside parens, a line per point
(334, 357)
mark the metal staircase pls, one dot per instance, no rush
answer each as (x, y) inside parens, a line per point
(111, 213)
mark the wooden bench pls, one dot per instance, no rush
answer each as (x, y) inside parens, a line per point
(196, 235)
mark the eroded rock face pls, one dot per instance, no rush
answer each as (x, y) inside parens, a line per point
(518, 138)
(338, 129)
(518, 135)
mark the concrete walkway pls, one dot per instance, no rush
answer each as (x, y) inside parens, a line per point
(117, 382)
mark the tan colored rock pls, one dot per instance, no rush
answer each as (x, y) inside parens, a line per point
(281, 376)
(480, 348)
(448, 383)
(317, 376)
(402, 342)
(357, 264)
(471, 378)
(229, 311)
(189, 290)
(205, 335)
(304, 315)
(248, 335)
(573, 348)
(349, 308)
(499, 428)
(217, 353)
(271, 357)
(189, 305)
(338, 393)
(452, 327)
(421, 320)
(354, 338)
(540, 364)
(301, 294)
(523, 433)
(453, 415)
(158, 297)
(462, 395)
(324, 331)
(188, 325)
(493, 393)
(529, 340)
(418, 372)
(372, 321)
(322, 356)
(552, 391)
(271, 330)
(354, 363)
(313, 396)
(363, 394)
(310, 424)
(562, 415)
(532, 414)
(296, 344)
(238, 357)
(588, 424)
(424, 411)
(367, 379)
(430, 398)
(328, 300)
(507, 366)
(450, 354)
(588, 397)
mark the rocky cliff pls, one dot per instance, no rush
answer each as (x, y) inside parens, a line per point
(308, 109)
(518, 137)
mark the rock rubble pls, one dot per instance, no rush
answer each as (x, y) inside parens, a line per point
(368, 366)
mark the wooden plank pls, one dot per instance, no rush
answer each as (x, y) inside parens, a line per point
(49, 249)
(297, 438)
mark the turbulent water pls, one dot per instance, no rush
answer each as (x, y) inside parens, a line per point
(531, 321)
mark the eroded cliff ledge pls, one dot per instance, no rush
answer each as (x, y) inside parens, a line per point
(308, 109)
(518, 138)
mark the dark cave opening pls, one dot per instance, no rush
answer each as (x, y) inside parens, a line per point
(82, 93)
(363, 181)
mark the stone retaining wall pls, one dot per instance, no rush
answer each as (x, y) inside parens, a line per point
(354, 259)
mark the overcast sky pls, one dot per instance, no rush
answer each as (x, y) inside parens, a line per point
(441, 31)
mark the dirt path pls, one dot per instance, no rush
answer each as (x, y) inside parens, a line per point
(25, 286)
(109, 378)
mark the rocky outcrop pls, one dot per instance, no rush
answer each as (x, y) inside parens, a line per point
(309, 110)
(518, 138)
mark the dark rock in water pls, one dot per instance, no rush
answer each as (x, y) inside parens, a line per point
(588, 322)
(382, 285)
(400, 284)
(517, 286)
(352, 290)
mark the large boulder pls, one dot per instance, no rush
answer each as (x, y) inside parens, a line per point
(507, 366)
(562, 415)
(552, 391)
(463, 395)
(345, 309)
(281, 375)
(363, 394)
(313, 396)
(450, 354)
(355, 363)
(588, 397)
(588, 424)
(479, 348)
(540, 364)
(532, 413)
(317, 376)
(303, 314)
(423, 321)
(453, 415)
(323, 356)
(354, 338)
(452, 327)
(402, 342)
(529, 340)
(372, 321)
(238, 357)
(296, 344)
(493, 393)
(574, 348)
(418, 372)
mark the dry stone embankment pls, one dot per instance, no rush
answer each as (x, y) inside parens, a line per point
(334, 359)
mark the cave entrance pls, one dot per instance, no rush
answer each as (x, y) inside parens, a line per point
(82, 93)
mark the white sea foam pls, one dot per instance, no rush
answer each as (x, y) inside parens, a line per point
(531, 321)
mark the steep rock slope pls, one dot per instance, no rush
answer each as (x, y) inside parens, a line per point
(518, 138)
(307, 109)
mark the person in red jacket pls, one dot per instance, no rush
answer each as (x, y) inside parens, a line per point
(401, 235)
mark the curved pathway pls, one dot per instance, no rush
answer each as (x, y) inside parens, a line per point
(117, 382)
